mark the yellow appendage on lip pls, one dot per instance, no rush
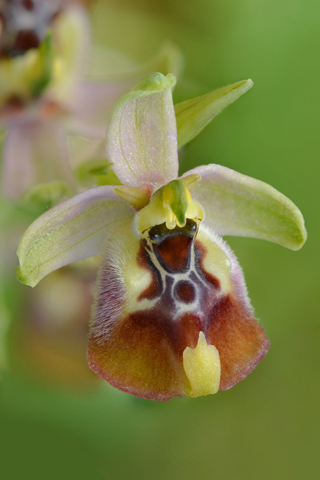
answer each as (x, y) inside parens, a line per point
(172, 204)
(202, 367)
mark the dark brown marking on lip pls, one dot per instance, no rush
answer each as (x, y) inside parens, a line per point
(185, 291)
(172, 247)
(173, 253)
(25, 40)
(179, 334)
(28, 4)
(156, 286)
(138, 358)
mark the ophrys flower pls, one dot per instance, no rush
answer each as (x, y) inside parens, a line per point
(171, 315)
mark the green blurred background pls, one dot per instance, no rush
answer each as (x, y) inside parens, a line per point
(268, 425)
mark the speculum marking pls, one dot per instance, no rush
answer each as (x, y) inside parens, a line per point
(185, 291)
(179, 283)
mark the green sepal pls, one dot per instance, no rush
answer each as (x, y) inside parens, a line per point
(242, 206)
(73, 230)
(194, 115)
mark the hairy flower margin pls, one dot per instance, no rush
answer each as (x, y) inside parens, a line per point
(171, 315)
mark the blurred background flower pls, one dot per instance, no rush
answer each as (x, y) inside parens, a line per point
(50, 86)
(43, 47)
(48, 337)
(269, 425)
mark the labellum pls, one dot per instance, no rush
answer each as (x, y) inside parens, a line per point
(172, 316)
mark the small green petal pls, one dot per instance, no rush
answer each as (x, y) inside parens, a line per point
(194, 115)
(137, 197)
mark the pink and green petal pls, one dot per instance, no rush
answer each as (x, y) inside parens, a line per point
(142, 137)
(74, 230)
(35, 152)
(195, 114)
(238, 205)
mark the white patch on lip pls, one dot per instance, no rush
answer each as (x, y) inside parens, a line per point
(200, 285)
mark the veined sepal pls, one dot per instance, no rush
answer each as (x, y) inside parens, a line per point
(141, 136)
(236, 204)
(71, 231)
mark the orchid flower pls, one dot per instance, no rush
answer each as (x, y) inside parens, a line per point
(171, 314)
(45, 94)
